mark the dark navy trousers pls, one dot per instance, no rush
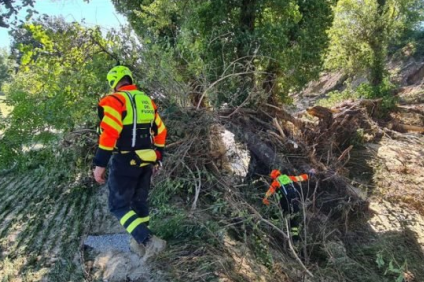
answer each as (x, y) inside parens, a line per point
(129, 187)
(290, 204)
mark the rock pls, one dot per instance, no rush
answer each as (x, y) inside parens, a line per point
(102, 243)
(115, 266)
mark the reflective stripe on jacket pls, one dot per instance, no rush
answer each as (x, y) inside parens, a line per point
(117, 124)
(280, 182)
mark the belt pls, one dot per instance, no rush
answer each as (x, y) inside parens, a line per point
(122, 152)
(141, 157)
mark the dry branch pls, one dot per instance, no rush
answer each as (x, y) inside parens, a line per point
(259, 148)
(198, 185)
(345, 152)
(416, 109)
(405, 128)
(324, 114)
(219, 80)
(260, 217)
(282, 114)
(265, 132)
(277, 125)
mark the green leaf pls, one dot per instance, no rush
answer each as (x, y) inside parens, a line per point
(400, 278)
(379, 260)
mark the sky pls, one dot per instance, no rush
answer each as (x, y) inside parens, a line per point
(97, 12)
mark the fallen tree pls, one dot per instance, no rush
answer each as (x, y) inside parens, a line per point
(319, 138)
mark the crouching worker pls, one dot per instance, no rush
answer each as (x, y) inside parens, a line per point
(133, 138)
(289, 196)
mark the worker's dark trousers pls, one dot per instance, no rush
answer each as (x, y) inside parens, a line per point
(290, 204)
(128, 191)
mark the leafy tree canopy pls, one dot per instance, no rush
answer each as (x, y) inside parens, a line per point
(281, 42)
(4, 67)
(10, 8)
(60, 76)
(362, 31)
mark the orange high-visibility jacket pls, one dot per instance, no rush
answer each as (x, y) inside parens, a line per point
(118, 124)
(281, 180)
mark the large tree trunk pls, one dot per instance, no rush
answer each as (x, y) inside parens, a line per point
(248, 15)
(244, 48)
(378, 47)
(376, 75)
(264, 153)
(269, 84)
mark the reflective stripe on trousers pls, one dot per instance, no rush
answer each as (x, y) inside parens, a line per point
(290, 204)
(128, 191)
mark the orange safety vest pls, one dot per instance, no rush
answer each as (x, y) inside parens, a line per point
(129, 122)
(280, 181)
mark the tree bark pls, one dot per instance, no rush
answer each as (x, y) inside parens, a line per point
(264, 153)
(377, 45)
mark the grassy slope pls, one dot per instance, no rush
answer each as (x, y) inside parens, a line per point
(40, 228)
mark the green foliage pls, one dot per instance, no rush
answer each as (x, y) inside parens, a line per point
(261, 250)
(55, 92)
(391, 269)
(362, 31)
(359, 139)
(415, 42)
(335, 97)
(9, 10)
(167, 190)
(170, 218)
(60, 78)
(176, 224)
(171, 223)
(384, 91)
(390, 255)
(243, 46)
(4, 68)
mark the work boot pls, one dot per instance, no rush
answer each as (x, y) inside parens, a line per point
(154, 246)
(138, 249)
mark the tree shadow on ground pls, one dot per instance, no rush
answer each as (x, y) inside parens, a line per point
(387, 255)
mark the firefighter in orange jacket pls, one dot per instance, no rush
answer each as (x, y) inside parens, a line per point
(289, 197)
(133, 138)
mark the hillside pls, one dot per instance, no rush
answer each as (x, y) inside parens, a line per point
(364, 211)
(329, 93)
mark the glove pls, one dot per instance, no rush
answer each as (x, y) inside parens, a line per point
(158, 156)
(275, 173)
(159, 153)
(265, 201)
(158, 165)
